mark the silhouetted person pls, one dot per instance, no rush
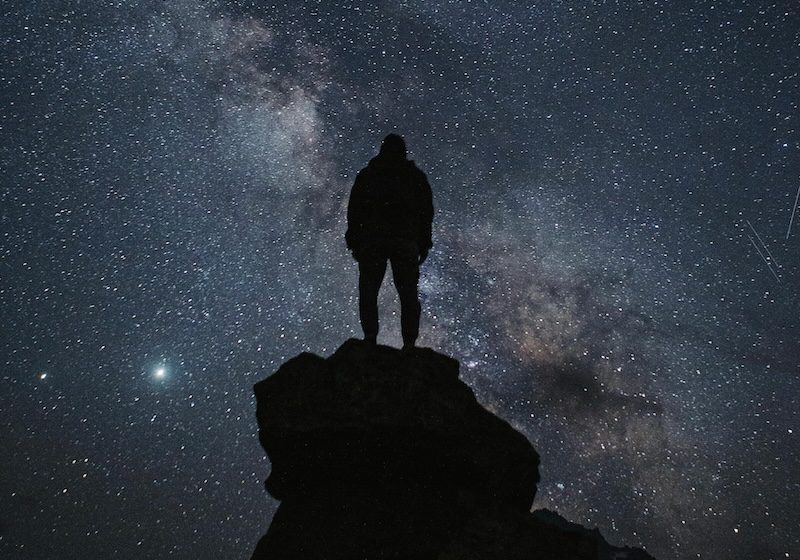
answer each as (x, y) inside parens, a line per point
(389, 217)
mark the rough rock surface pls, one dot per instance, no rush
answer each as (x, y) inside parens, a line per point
(378, 453)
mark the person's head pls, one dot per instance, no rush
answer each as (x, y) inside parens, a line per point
(394, 146)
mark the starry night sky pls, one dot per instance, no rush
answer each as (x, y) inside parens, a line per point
(612, 265)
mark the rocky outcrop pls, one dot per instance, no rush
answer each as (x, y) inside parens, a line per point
(379, 453)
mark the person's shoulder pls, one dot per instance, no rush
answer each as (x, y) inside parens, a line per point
(412, 165)
(416, 171)
(363, 173)
(371, 168)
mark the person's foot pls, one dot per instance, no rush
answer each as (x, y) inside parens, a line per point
(408, 346)
(371, 340)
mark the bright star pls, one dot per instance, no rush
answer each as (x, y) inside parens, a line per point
(161, 372)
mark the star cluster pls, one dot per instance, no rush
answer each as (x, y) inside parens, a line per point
(615, 258)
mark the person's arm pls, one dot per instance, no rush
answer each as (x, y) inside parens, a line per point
(424, 236)
(355, 214)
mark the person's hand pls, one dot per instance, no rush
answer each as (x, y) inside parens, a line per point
(423, 255)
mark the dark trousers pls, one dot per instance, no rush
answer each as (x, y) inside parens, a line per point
(405, 273)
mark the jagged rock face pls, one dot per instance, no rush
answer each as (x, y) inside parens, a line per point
(375, 453)
(378, 453)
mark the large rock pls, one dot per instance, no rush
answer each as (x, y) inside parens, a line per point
(378, 453)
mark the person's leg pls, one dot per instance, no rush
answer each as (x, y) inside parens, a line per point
(370, 276)
(405, 273)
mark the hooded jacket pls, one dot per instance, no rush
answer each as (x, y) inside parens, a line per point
(390, 203)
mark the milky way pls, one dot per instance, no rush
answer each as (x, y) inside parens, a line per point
(615, 258)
